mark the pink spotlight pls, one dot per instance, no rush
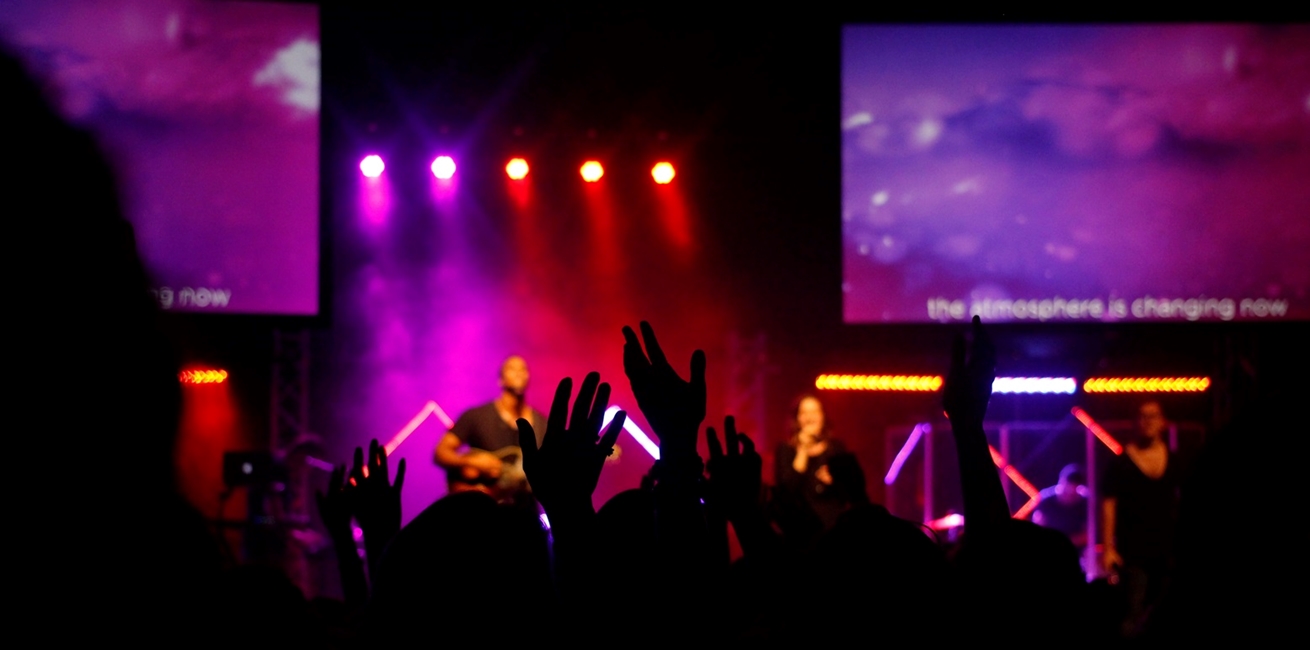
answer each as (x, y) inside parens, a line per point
(634, 431)
(906, 450)
(372, 166)
(443, 167)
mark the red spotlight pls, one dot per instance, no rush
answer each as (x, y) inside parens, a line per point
(592, 171)
(443, 167)
(517, 169)
(372, 166)
(663, 173)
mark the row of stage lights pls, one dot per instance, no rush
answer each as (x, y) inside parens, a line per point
(1021, 385)
(443, 167)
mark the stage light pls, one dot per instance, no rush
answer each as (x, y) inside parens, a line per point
(1049, 385)
(443, 167)
(1017, 477)
(372, 166)
(1146, 385)
(415, 422)
(592, 171)
(517, 169)
(900, 383)
(663, 173)
(904, 453)
(202, 376)
(953, 520)
(1098, 431)
(634, 431)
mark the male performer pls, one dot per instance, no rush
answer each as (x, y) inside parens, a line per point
(1063, 506)
(481, 451)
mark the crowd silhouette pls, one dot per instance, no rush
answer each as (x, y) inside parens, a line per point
(650, 566)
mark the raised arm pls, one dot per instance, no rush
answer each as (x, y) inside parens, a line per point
(968, 389)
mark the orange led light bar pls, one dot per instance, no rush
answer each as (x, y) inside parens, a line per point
(202, 376)
(903, 383)
(1146, 385)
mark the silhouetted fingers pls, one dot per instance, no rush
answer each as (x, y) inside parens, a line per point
(379, 462)
(582, 405)
(730, 434)
(634, 359)
(357, 470)
(747, 446)
(337, 479)
(984, 351)
(559, 409)
(612, 433)
(716, 448)
(527, 443)
(653, 348)
(598, 409)
(400, 476)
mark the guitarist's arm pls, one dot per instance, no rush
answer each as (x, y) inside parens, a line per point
(447, 456)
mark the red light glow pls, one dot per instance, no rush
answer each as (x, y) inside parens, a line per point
(202, 376)
(592, 171)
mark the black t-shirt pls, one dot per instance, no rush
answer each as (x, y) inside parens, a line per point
(803, 505)
(1146, 509)
(483, 428)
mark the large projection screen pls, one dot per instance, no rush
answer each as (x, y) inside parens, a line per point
(209, 113)
(1076, 173)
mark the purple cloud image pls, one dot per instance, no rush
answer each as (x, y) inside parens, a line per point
(210, 112)
(1076, 172)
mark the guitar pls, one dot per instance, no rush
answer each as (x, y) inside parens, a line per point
(510, 483)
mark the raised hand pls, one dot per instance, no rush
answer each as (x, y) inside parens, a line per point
(377, 503)
(673, 406)
(734, 476)
(563, 472)
(968, 389)
(334, 506)
(969, 385)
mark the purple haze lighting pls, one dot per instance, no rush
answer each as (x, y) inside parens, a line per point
(372, 166)
(904, 453)
(1044, 385)
(443, 168)
(633, 430)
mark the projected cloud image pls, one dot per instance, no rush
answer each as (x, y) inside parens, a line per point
(210, 113)
(1103, 173)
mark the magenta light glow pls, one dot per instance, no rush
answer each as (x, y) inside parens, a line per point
(1046, 385)
(443, 168)
(634, 431)
(372, 166)
(906, 450)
